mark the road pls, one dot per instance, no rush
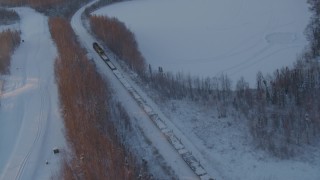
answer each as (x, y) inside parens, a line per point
(31, 125)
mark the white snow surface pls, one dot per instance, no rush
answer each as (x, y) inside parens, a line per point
(229, 149)
(206, 38)
(30, 122)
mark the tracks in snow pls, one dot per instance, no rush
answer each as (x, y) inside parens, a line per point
(40, 116)
(40, 122)
(171, 137)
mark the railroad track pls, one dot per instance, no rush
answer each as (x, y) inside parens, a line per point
(171, 137)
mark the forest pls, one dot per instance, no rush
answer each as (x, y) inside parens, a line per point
(97, 151)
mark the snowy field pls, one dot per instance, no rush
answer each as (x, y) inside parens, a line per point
(207, 38)
(30, 122)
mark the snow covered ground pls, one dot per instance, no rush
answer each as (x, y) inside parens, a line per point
(30, 122)
(253, 34)
(210, 37)
(229, 149)
(207, 38)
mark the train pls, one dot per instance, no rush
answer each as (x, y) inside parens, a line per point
(103, 56)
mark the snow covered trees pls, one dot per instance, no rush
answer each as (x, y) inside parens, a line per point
(8, 16)
(33, 3)
(285, 110)
(61, 8)
(313, 29)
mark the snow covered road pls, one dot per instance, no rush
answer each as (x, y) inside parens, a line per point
(30, 122)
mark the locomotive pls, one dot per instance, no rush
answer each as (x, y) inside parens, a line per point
(103, 56)
(97, 48)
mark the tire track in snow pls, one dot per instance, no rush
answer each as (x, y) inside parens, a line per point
(40, 119)
(38, 135)
(248, 65)
(30, 109)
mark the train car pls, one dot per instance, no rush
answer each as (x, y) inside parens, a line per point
(110, 64)
(103, 56)
(97, 48)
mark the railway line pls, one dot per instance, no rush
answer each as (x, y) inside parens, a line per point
(171, 137)
(180, 157)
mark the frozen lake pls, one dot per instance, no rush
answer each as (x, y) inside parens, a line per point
(207, 38)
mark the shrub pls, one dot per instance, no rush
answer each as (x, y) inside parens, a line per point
(9, 40)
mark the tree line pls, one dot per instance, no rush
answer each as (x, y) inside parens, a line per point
(32, 3)
(8, 16)
(9, 40)
(96, 149)
(285, 112)
(52, 8)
